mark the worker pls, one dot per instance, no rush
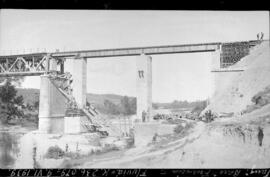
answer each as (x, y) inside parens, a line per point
(262, 36)
(260, 135)
(258, 36)
(143, 115)
(154, 139)
(210, 116)
(206, 115)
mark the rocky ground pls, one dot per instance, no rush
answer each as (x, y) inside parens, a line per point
(224, 143)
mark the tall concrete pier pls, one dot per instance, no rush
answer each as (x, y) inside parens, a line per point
(73, 124)
(52, 107)
(144, 86)
(79, 81)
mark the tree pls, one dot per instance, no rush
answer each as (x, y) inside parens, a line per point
(11, 105)
(128, 105)
(133, 105)
(125, 105)
(155, 106)
(7, 92)
(15, 80)
(36, 104)
(199, 107)
(111, 108)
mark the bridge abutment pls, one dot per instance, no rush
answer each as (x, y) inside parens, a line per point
(144, 86)
(215, 65)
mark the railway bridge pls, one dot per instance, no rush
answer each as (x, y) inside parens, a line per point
(63, 105)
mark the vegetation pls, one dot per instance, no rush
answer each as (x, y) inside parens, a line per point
(106, 103)
(31, 96)
(55, 152)
(114, 104)
(180, 104)
(262, 98)
(11, 105)
(259, 100)
(180, 129)
(127, 106)
(18, 108)
(200, 106)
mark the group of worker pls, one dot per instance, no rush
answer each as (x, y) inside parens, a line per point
(145, 115)
(209, 116)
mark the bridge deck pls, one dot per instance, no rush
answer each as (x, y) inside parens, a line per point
(152, 50)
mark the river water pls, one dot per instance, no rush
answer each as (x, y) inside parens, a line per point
(9, 148)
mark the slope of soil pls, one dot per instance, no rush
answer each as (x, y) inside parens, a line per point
(234, 91)
(226, 143)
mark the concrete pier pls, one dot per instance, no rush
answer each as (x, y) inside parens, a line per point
(144, 86)
(73, 125)
(52, 107)
(79, 81)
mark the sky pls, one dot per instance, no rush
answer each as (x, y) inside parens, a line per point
(175, 76)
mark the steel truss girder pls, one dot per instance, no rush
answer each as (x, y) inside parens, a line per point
(23, 65)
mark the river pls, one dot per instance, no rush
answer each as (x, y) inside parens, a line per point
(9, 149)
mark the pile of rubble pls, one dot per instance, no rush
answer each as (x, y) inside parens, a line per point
(167, 116)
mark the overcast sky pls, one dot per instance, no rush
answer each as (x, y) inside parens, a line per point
(175, 76)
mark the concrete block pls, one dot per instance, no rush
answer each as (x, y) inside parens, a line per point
(51, 125)
(73, 125)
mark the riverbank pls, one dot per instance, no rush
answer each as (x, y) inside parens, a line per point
(224, 143)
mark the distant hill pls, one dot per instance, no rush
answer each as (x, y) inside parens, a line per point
(100, 98)
(32, 95)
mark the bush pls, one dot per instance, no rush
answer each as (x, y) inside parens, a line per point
(178, 129)
(182, 129)
(110, 147)
(11, 104)
(55, 152)
(72, 155)
(199, 107)
(260, 99)
(173, 121)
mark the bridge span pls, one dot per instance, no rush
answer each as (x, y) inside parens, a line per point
(57, 88)
(132, 51)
